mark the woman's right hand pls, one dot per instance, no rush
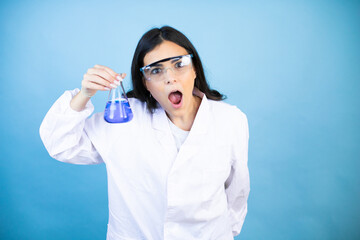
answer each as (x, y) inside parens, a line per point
(100, 78)
(97, 78)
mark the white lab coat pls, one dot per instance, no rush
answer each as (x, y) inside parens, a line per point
(156, 192)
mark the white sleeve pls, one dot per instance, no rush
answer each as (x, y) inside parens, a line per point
(237, 186)
(62, 132)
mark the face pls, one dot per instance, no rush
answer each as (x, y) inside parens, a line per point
(174, 93)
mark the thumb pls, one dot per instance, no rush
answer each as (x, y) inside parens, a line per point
(121, 76)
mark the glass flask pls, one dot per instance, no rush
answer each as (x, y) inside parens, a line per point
(117, 108)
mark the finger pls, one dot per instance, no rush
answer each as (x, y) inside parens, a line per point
(95, 86)
(98, 80)
(109, 70)
(102, 73)
(121, 76)
(95, 79)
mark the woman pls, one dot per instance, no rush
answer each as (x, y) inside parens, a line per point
(178, 169)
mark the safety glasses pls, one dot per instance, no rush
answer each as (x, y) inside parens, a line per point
(157, 71)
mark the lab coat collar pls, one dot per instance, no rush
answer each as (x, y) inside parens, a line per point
(199, 128)
(201, 122)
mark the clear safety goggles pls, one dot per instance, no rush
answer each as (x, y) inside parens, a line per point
(157, 71)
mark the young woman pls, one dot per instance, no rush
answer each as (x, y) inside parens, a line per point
(178, 169)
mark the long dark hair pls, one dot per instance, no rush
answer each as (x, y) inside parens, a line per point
(148, 42)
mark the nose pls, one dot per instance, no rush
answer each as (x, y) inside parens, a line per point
(169, 76)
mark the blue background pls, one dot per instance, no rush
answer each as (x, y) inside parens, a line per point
(292, 66)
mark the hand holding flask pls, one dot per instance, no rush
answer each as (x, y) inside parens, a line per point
(117, 108)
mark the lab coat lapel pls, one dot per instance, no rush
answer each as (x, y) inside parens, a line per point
(202, 118)
(197, 136)
(162, 131)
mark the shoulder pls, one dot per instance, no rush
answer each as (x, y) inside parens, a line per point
(223, 110)
(228, 120)
(230, 124)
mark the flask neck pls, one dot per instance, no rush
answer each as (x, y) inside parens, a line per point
(114, 95)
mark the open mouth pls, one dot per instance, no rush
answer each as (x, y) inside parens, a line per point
(175, 98)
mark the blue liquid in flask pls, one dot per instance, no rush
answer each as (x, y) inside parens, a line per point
(118, 111)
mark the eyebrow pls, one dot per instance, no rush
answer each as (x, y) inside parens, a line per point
(176, 58)
(155, 65)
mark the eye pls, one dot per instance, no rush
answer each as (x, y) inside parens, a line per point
(179, 64)
(155, 71)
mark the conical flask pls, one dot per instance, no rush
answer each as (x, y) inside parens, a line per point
(117, 108)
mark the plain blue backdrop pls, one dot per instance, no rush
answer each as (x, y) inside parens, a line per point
(292, 66)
